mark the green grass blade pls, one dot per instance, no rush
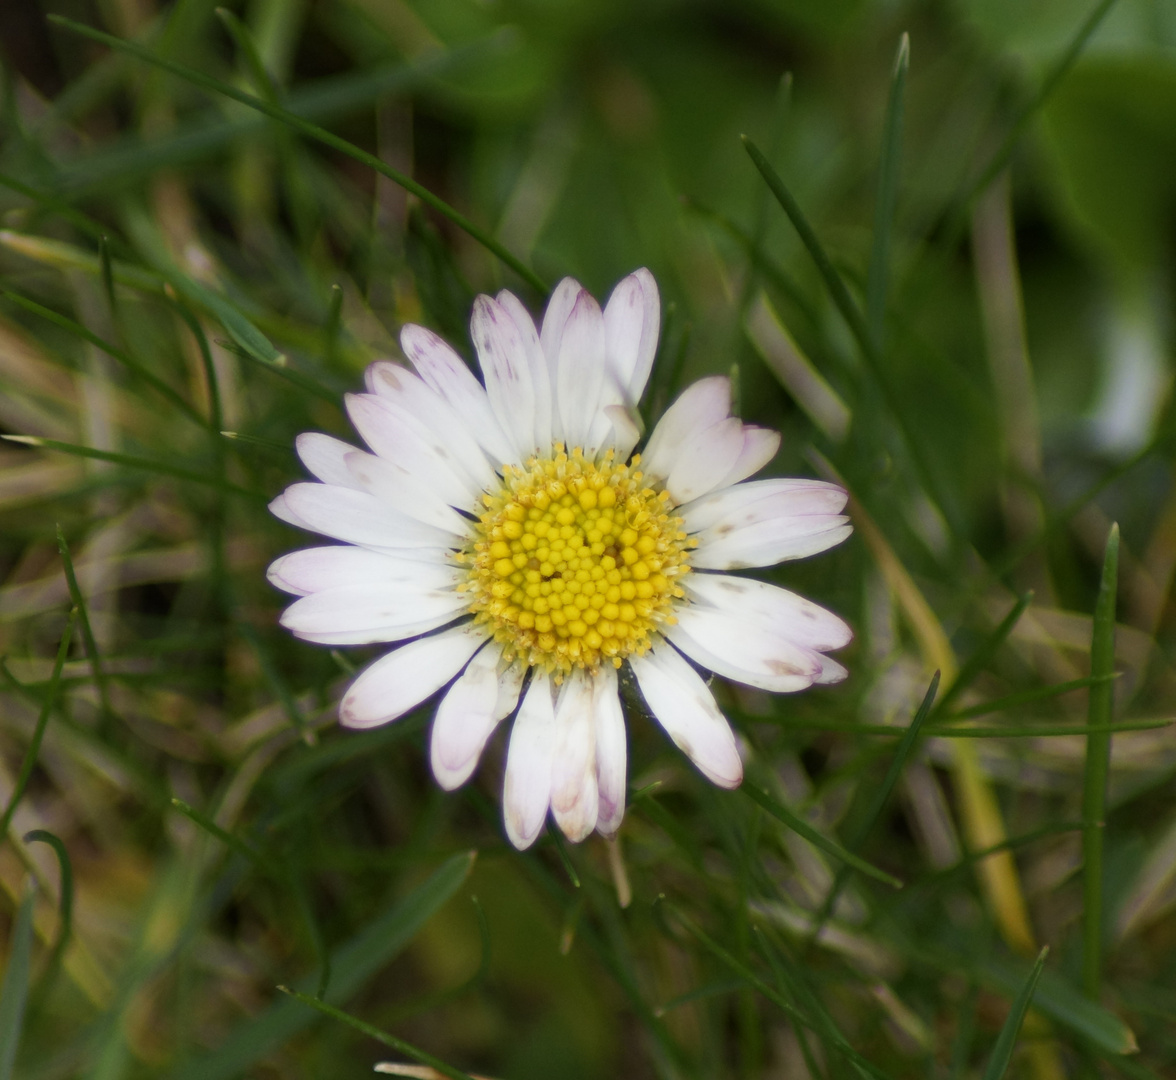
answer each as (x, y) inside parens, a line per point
(131, 462)
(139, 370)
(877, 804)
(1022, 697)
(47, 703)
(979, 659)
(1053, 76)
(1098, 764)
(399, 1045)
(14, 991)
(562, 850)
(240, 329)
(1048, 731)
(247, 48)
(234, 843)
(352, 964)
(320, 134)
(1062, 1002)
(803, 828)
(832, 279)
(65, 906)
(887, 196)
(1002, 1052)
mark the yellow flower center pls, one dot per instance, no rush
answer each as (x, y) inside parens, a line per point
(573, 562)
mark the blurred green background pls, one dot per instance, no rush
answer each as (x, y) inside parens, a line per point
(175, 265)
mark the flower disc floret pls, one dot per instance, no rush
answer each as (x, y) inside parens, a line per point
(575, 562)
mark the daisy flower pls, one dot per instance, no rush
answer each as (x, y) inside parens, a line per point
(507, 532)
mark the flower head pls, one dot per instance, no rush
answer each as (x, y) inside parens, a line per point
(505, 530)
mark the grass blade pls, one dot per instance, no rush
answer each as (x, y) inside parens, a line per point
(833, 282)
(399, 1045)
(887, 195)
(233, 843)
(139, 370)
(312, 131)
(1002, 1052)
(1098, 764)
(15, 990)
(247, 48)
(979, 659)
(65, 906)
(881, 797)
(132, 462)
(803, 828)
(47, 703)
(352, 965)
(1022, 697)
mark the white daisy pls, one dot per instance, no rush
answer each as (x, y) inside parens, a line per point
(506, 531)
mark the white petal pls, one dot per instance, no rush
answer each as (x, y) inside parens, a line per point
(446, 373)
(359, 518)
(280, 508)
(465, 720)
(397, 486)
(683, 705)
(580, 371)
(625, 431)
(398, 437)
(527, 791)
(747, 654)
(700, 405)
(759, 447)
(769, 543)
(367, 613)
(537, 363)
(704, 458)
(507, 371)
(757, 603)
(611, 752)
(402, 679)
(324, 456)
(510, 682)
(314, 569)
(573, 768)
(759, 500)
(555, 318)
(632, 319)
(423, 404)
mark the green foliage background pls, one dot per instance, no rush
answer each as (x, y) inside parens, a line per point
(984, 362)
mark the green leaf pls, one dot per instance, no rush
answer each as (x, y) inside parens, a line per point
(1006, 1041)
(803, 828)
(15, 990)
(1098, 767)
(352, 965)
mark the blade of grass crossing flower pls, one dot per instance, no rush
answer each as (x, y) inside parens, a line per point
(1098, 762)
(65, 903)
(980, 658)
(1006, 1041)
(886, 198)
(803, 828)
(320, 134)
(139, 370)
(47, 703)
(562, 850)
(352, 964)
(399, 1045)
(14, 991)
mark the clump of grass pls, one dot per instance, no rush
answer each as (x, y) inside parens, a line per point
(212, 224)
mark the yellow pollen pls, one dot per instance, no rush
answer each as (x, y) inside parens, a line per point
(573, 563)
